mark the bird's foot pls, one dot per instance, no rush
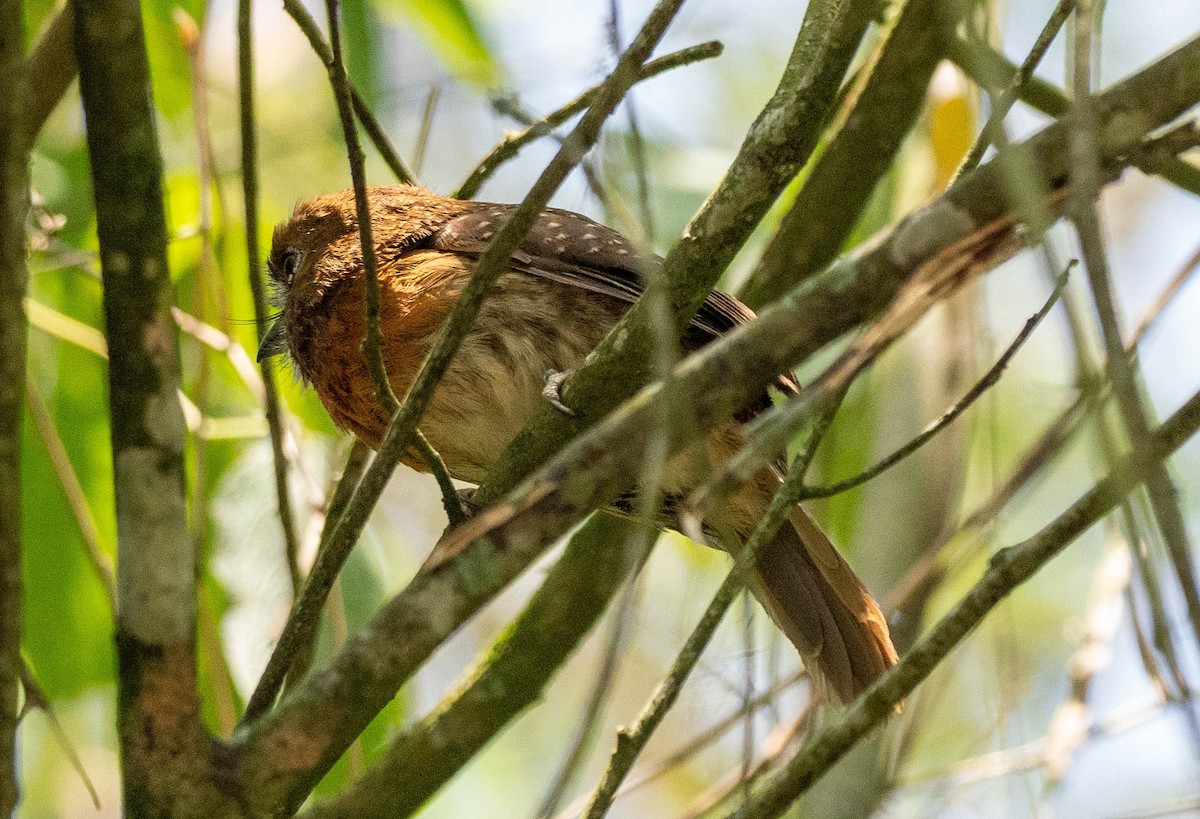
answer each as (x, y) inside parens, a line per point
(466, 500)
(551, 391)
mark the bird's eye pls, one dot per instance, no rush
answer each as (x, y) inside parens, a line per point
(289, 264)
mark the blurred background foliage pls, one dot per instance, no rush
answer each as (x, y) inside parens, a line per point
(976, 739)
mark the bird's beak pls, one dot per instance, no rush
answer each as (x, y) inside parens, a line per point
(274, 342)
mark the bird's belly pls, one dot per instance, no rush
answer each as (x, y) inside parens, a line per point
(494, 386)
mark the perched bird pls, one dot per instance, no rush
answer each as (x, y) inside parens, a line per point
(569, 281)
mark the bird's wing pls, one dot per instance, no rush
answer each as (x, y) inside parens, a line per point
(565, 247)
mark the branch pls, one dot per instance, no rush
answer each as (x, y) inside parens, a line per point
(509, 678)
(308, 26)
(991, 69)
(1008, 569)
(14, 278)
(163, 741)
(51, 69)
(329, 708)
(512, 144)
(887, 96)
(989, 380)
(992, 132)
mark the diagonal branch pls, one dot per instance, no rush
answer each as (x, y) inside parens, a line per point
(989, 380)
(883, 103)
(509, 678)
(512, 144)
(308, 27)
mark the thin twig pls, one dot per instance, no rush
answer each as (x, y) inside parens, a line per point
(707, 737)
(224, 697)
(451, 501)
(422, 142)
(512, 144)
(73, 490)
(989, 380)
(325, 516)
(294, 665)
(1069, 725)
(35, 697)
(1154, 310)
(594, 705)
(192, 38)
(249, 139)
(1004, 102)
(308, 26)
(372, 345)
(990, 69)
(631, 741)
(637, 144)
(1086, 180)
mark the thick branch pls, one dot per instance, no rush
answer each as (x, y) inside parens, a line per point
(163, 741)
(507, 680)
(14, 276)
(881, 110)
(1008, 569)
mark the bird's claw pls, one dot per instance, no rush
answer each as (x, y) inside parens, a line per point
(466, 500)
(553, 381)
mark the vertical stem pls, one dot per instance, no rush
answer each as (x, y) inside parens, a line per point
(165, 752)
(14, 202)
(372, 345)
(254, 262)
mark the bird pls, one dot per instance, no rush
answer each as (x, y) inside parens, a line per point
(565, 286)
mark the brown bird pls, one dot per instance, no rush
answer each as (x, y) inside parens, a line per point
(567, 284)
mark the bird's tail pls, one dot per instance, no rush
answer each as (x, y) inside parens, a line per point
(824, 609)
